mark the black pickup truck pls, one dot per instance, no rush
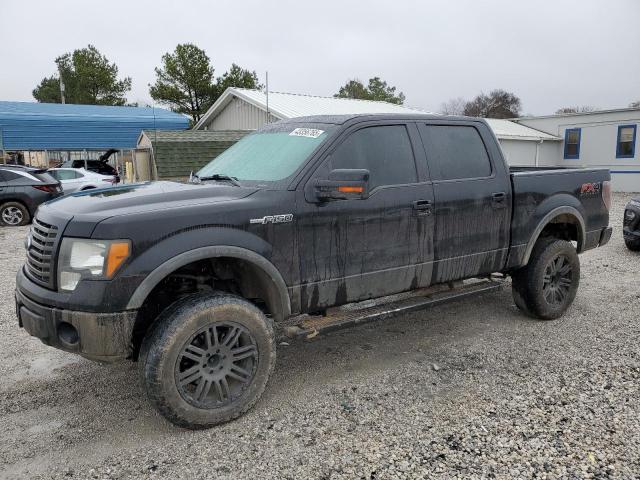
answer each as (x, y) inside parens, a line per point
(302, 216)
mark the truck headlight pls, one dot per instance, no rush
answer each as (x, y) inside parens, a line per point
(82, 258)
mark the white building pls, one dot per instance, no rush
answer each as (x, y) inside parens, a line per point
(244, 109)
(595, 139)
(524, 146)
(605, 138)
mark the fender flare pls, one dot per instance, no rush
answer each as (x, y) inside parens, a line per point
(565, 210)
(156, 276)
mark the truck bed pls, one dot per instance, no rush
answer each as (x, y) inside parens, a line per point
(537, 191)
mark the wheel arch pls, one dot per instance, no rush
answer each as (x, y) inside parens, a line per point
(564, 215)
(271, 278)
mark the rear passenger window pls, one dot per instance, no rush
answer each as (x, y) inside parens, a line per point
(8, 175)
(64, 174)
(385, 151)
(455, 152)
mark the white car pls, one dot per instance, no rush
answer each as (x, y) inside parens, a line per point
(77, 179)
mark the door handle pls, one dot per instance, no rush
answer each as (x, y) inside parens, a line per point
(498, 199)
(423, 207)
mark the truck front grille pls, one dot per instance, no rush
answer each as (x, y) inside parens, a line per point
(40, 252)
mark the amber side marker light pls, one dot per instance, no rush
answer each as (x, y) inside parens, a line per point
(118, 253)
(351, 189)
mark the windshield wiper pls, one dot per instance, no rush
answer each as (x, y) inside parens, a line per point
(217, 177)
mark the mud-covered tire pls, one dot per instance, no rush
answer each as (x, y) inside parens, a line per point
(547, 286)
(14, 214)
(633, 245)
(517, 296)
(187, 337)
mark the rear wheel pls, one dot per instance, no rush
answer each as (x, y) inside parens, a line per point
(208, 359)
(547, 286)
(14, 214)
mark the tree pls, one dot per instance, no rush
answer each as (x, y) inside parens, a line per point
(577, 109)
(455, 106)
(48, 91)
(353, 89)
(497, 104)
(377, 89)
(236, 77)
(89, 78)
(635, 104)
(185, 82)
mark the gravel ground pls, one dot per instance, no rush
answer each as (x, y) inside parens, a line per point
(469, 389)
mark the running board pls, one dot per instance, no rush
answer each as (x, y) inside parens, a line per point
(307, 327)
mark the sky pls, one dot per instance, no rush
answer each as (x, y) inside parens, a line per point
(550, 53)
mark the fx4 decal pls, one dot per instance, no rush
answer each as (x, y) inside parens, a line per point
(287, 217)
(590, 188)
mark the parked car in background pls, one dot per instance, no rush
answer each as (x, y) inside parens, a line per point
(22, 189)
(98, 166)
(631, 228)
(77, 179)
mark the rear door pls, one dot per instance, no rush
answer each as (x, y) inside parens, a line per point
(363, 248)
(67, 177)
(3, 186)
(472, 199)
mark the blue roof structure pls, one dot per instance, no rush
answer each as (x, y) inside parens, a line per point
(54, 126)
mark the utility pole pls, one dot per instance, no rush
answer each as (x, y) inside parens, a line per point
(61, 85)
(267, 87)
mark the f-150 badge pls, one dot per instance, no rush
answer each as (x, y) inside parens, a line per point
(287, 217)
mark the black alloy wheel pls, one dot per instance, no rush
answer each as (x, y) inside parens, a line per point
(216, 365)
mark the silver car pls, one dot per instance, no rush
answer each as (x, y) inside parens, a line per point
(77, 179)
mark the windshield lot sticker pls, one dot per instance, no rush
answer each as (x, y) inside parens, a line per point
(306, 132)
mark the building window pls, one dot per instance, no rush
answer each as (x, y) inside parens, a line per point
(572, 143)
(626, 145)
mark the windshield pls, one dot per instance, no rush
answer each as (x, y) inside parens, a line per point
(268, 155)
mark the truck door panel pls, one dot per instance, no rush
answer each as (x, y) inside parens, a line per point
(472, 202)
(364, 248)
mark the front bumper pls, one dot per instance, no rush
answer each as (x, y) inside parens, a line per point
(104, 337)
(631, 226)
(631, 235)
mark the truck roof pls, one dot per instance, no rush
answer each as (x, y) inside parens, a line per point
(340, 119)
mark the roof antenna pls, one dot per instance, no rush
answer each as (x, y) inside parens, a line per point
(267, 87)
(154, 168)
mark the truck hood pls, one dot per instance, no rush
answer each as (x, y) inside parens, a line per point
(143, 197)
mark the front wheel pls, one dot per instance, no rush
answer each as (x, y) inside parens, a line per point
(547, 286)
(207, 360)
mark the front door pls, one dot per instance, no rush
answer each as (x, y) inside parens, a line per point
(472, 200)
(356, 249)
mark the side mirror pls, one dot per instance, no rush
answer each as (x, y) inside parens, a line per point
(343, 184)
